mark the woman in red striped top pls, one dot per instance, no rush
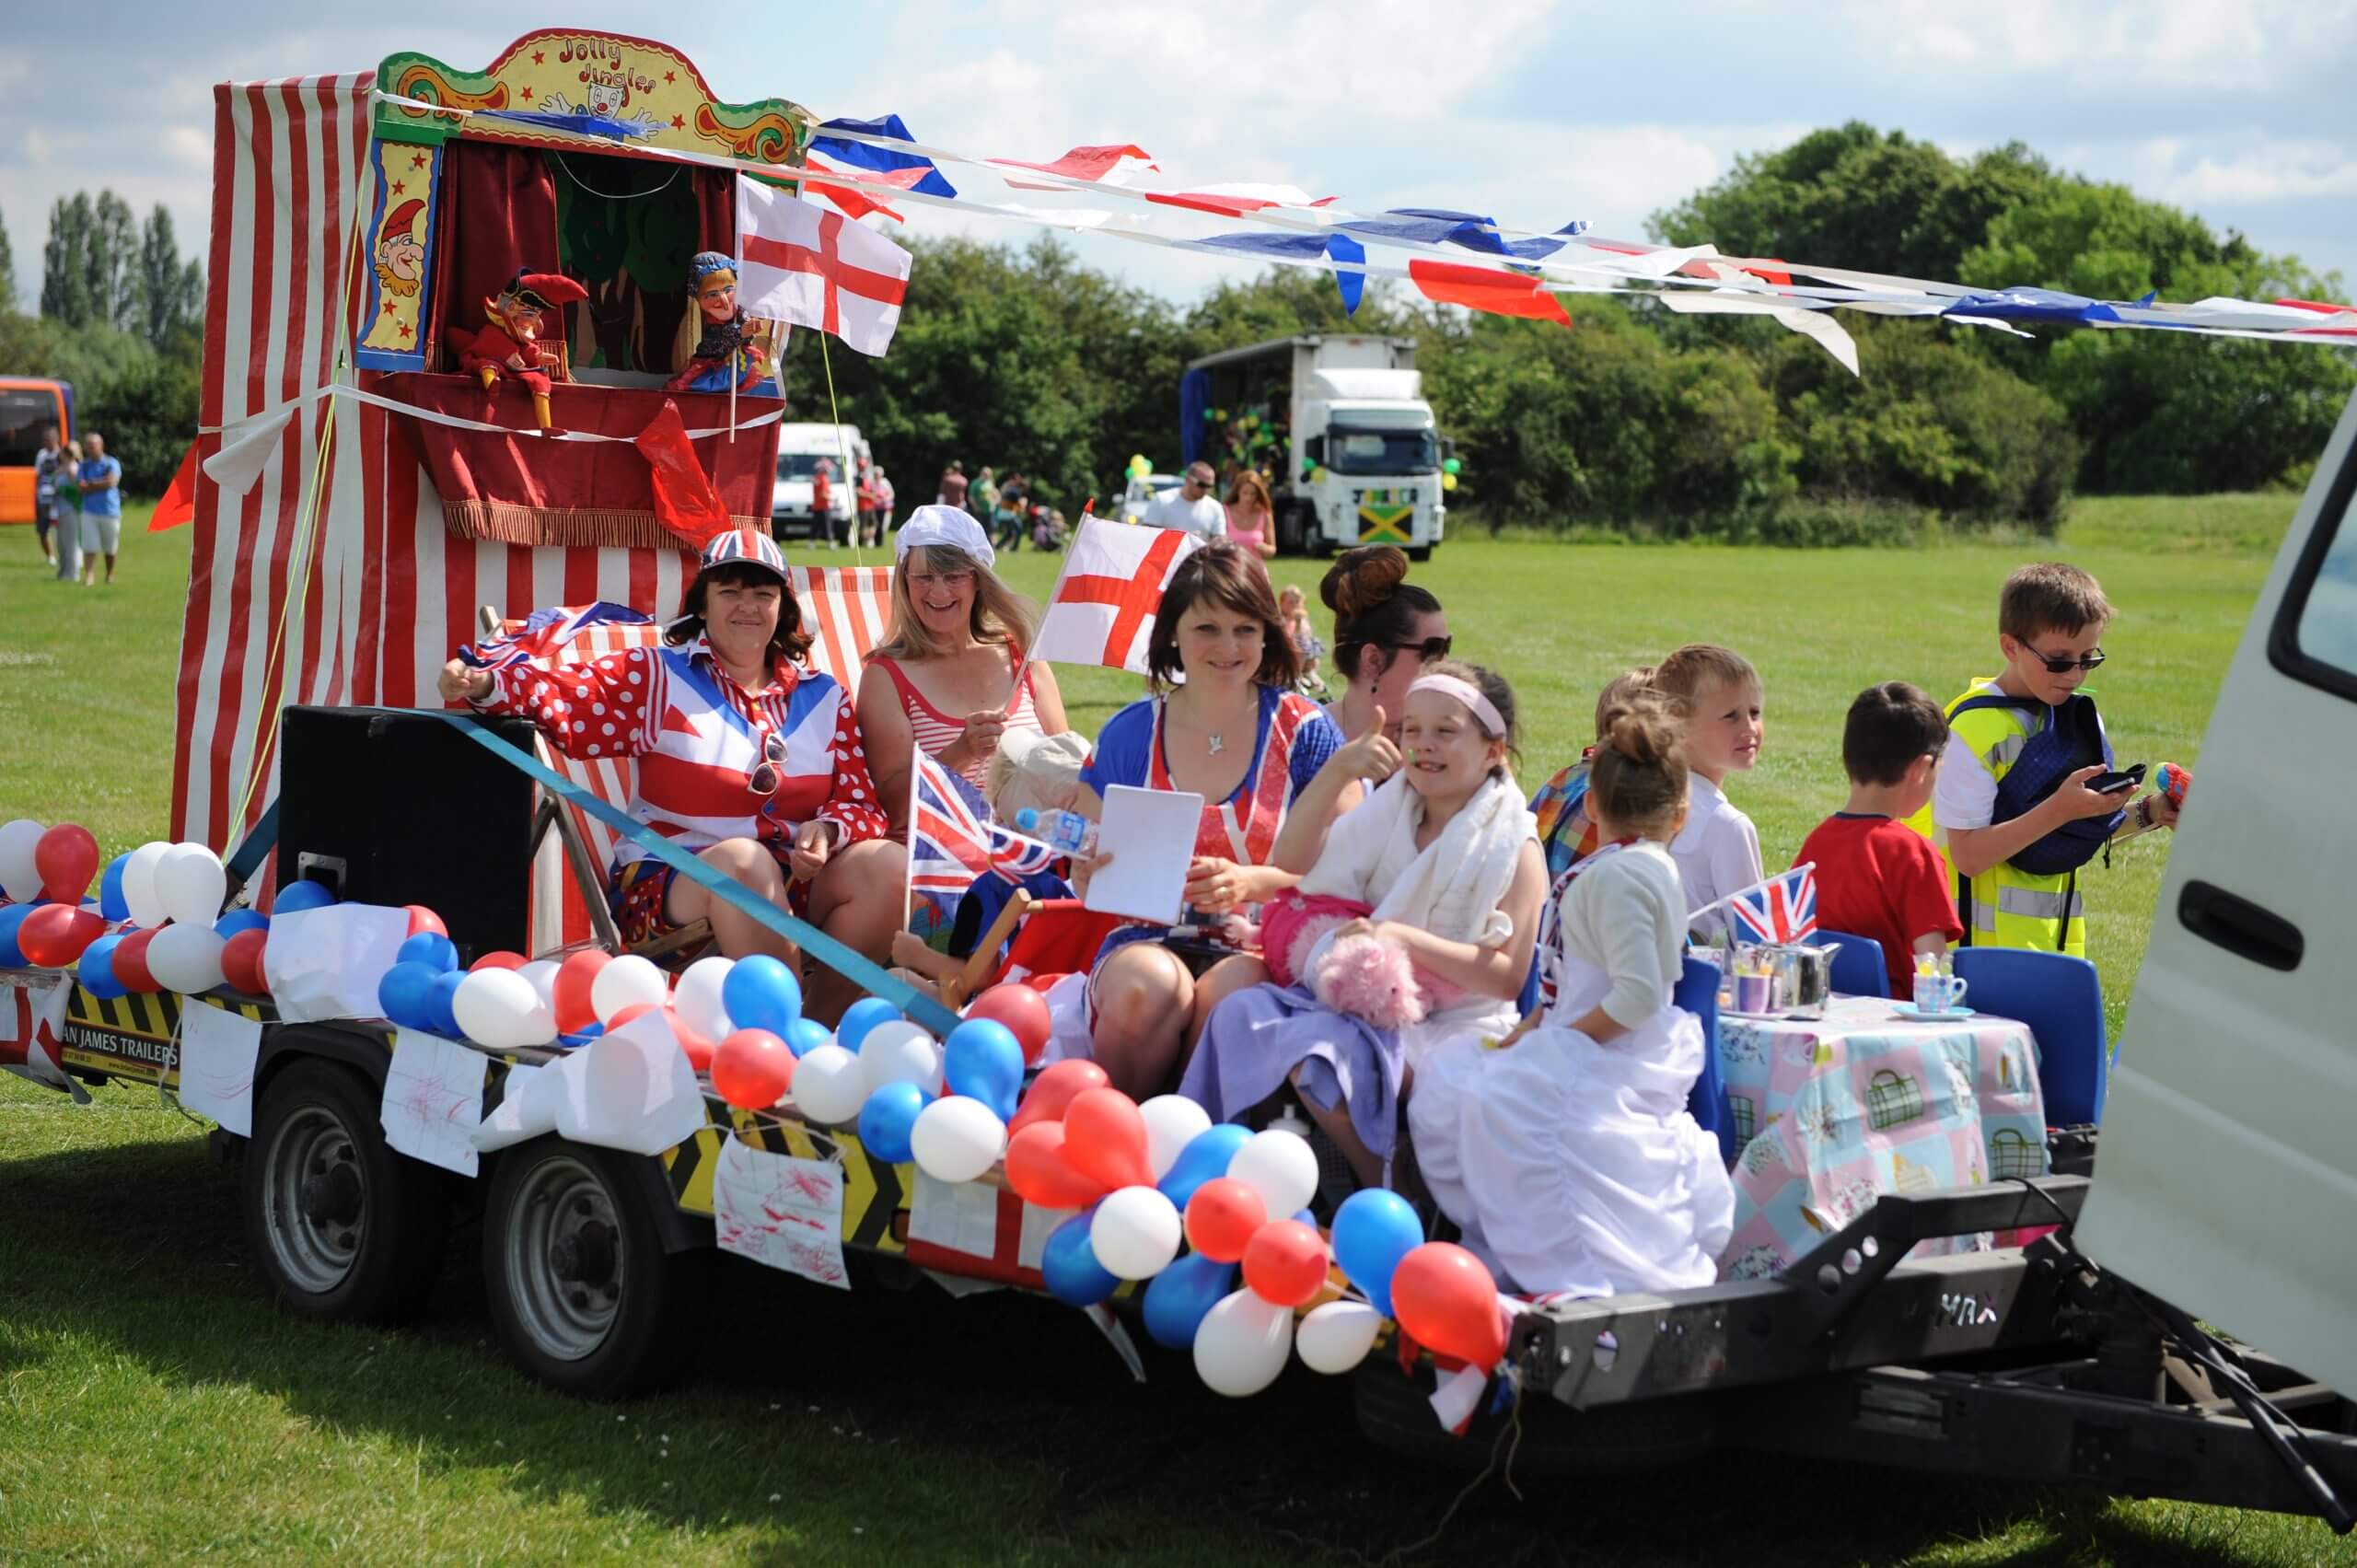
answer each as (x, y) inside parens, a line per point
(950, 677)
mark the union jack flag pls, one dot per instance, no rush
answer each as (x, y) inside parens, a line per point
(1782, 909)
(545, 632)
(952, 839)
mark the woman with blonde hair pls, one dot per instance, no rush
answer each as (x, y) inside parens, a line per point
(952, 675)
(1251, 519)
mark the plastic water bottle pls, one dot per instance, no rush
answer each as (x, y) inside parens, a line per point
(1069, 831)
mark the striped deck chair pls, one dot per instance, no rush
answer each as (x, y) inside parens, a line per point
(846, 609)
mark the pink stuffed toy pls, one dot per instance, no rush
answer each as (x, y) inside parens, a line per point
(1362, 975)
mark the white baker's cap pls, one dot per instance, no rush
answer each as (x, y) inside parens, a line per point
(944, 527)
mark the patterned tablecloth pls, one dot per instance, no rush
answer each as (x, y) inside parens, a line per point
(1831, 1111)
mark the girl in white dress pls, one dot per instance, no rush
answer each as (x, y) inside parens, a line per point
(1568, 1155)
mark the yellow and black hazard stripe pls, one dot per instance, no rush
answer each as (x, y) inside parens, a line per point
(875, 1195)
(131, 1037)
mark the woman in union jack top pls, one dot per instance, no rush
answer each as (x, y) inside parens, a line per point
(745, 756)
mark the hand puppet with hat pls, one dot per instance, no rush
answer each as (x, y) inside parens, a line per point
(508, 344)
(719, 345)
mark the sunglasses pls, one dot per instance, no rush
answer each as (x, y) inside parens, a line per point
(763, 779)
(1428, 650)
(2064, 665)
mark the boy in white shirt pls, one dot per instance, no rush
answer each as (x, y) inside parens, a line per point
(1716, 695)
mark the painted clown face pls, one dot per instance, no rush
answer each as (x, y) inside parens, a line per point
(716, 297)
(402, 256)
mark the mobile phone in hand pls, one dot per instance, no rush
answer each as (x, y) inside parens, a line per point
(2116, 783)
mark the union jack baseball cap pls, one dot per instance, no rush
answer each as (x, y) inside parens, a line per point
(748, 546)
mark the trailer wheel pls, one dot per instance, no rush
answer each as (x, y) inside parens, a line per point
(582, 1293)
(344, 1227)
(1395, 1411)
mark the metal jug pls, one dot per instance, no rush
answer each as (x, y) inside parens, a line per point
(1804, 977)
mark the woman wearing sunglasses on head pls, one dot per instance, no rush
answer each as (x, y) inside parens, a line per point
(950, 677)
(744, 757)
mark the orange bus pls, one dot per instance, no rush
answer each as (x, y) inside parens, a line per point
(27, 407)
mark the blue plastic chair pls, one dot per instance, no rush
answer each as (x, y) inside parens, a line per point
(2060, 998)
(1858, 969)
(1698, 993)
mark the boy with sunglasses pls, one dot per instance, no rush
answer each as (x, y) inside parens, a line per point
(2050, 621)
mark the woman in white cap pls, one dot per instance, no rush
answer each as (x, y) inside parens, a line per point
(745, 758)
(952, 675)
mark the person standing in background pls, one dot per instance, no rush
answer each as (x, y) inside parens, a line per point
(101, 481)
(1191, 507)
(953, 487)
(1013, 505)
(45, 465)
(883, 505)
(67, 514)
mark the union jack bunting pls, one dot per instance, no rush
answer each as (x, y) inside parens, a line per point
(546, 632)
(1782, 908)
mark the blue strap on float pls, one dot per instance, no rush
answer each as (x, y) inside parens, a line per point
(259, 840)
(914, 1003)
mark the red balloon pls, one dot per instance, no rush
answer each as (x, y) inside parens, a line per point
(1023, 1011)
(574, 978)
(423, 919)
(67, 857)
(699, 1049)
(1222, 1218)
(752, 1069)
(1284, 1264)
(1037, 1170)
(1444, 1297)
(241, 962)
(130, 958)
(500, 960)
(1105, 1139)
(635, 1010)
(1053, 1089)
(53, 935)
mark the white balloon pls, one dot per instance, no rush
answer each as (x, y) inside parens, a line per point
(498, 1008)
(628, 982)
(139, 883)
(697, 999)
(1135, 1233)
(186, 959)
(896, 1051)
(1241, 1345)
(1337, 1336)
(955, 1138)
(19, 876)
(1281, 1167)
(1171, 1123)
(190, 883)
(829, 1088)
(541, 974)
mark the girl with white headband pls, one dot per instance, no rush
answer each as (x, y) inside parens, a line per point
(1442, 865)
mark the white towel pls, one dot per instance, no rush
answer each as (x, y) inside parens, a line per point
(1451, 887)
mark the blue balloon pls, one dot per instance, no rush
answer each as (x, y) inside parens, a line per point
(858, 1018)
(110, 900)
(1205, 1156)
(406, 996)
(229, 925)
(431, 949)
(761, 993)
(581, 1036)
(983, 1058)
(887, 1118)
(11, 956)
(303, 895)
(445, 991)
(1179, 1297)
(1373, 1230)
(97, 969)
(1069, 1264)
(806, 1035)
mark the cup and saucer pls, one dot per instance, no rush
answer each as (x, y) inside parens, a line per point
(1939, 999)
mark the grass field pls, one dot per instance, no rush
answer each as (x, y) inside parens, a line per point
(152, 1406)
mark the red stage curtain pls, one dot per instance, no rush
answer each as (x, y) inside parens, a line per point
(527, 489)
(498, 215)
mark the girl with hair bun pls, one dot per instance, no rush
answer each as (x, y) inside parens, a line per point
(1568, 1156)
(1386, 630)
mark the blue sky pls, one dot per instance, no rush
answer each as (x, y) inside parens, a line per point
(1534, 110)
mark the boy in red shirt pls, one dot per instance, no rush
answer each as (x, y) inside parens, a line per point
(1876, 876)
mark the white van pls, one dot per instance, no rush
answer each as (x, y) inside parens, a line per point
(800, 449)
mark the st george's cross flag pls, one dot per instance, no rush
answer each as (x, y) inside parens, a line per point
(1102, 609)
(801, 263)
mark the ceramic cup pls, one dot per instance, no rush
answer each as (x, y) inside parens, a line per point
(1938, 993)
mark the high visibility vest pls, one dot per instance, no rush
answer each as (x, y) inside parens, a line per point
(2004, 907)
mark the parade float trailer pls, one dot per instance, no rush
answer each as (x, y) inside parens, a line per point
(344, 545)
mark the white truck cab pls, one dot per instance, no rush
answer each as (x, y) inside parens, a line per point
(800, 449)
(2226, 1180)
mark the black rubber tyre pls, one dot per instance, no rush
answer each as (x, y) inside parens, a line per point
(581, 1291)
(1395, 1411)
(1419, 552)
(342, 1227)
